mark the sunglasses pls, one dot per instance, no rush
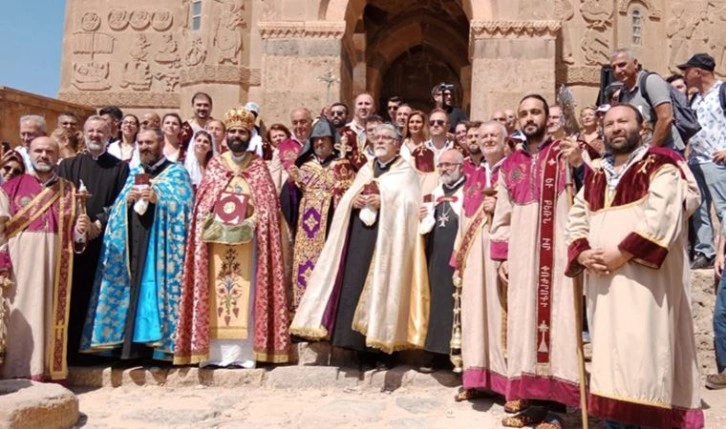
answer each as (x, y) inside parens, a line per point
(439, 122)
(15, 171)
(337, 113)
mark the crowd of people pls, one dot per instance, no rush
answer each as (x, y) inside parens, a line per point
(222, 242)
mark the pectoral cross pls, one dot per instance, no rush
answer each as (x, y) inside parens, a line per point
(329, 79)
(443, 218)
(649, 160)
(343, 147)
(543, 328)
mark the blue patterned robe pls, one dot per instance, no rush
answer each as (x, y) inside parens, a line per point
(160, 286)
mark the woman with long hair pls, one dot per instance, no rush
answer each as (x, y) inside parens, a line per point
(174, 150)
(590, 130)
(417, 132)
(204, 150)
(125, 148)
(69, 142)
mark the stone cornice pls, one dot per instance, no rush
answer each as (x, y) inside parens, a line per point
(514, 29)
(220, 74)
(123, 99)
(300, 29)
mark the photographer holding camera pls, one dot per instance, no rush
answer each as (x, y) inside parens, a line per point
(443, 96)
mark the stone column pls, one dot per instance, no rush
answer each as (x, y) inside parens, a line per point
(509, 60)
(302, 64)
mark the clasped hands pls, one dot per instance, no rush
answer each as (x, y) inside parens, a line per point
(603, 261)
(373, 200)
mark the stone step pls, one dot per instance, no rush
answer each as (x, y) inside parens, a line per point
(280, 377)
(26, 404)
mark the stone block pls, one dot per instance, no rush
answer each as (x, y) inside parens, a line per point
(317, 353)
(282, 48)
(29, 405)
(140, 376)
(92, 376)
(310, 377)
(218, 377)
(389, 380)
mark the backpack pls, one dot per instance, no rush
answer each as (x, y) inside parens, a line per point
(684, 117)
(722, 97)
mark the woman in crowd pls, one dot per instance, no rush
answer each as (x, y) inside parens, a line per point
(203, 151)
(218, 130)
(417, 132)
(11, 165)
(590, 130)
(174, 150)
(125, 149)
(69, 142)
(276, 134)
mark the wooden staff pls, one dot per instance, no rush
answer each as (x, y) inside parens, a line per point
(577, 286)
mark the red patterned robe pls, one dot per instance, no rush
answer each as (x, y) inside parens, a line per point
(270, 325)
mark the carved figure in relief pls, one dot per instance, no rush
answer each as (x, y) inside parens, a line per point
(136, 75)
(140, 50)
(161, 20)
(596, 14)
(678, 32)
(90, 21)
(699, 32)
(168, 52)
(118, 19)
(197, 53)
(90, 76)
(170, 80)
(227, 36)
(564, 11)
(717, 32)
(140, 19)
(595, 48)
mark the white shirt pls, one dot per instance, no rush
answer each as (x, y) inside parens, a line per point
(437, 152)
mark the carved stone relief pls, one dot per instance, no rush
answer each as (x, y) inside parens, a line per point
(717, 30)
(595, 43)
(90, 74)
(595, 47)
(197, 53)
(596, 14)
(140, 19)
(118, 20)
(168, 52)
(227, 36)
(137, 72)
(162, 20)
(693, 27)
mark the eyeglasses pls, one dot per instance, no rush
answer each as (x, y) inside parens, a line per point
(337, 113)
(15, 171)
(439, 122)
(383, 137)
(442, 165)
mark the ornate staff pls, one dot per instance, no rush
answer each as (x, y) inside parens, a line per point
(577, 283)
(82, 196)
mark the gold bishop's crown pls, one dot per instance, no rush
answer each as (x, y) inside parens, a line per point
(239, 117)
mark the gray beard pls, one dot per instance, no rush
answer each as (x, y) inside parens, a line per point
(45, 168)
(95, 147)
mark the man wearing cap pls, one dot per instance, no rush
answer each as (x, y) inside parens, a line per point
(659, 112)
(322, 174)
(707, 160)
(707, 157)
(234, 307)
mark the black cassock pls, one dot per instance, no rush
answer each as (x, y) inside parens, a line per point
(138, 243)
(104, 178)
(439, 247)
(357, 257)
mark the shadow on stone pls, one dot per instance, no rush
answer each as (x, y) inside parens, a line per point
(14, 386)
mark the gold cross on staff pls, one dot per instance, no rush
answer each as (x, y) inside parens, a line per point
(649, 160)
(343, 146)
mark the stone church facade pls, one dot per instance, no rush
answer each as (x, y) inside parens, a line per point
(144, 55)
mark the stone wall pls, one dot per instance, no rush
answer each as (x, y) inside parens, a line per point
(15, 103)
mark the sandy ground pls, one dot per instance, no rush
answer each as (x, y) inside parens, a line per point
(131, 407)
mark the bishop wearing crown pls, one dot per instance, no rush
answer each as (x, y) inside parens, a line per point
(234, 308)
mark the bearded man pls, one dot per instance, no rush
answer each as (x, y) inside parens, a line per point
(134, 306)
(528, 225)
(628, 230)
(103, 175)
(37, 215)
(475, 169)
(440, 218)
(365, 290)
(322, 174)
(481, 293)
(234, 306)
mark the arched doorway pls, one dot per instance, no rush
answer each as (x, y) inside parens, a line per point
(412, 45)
